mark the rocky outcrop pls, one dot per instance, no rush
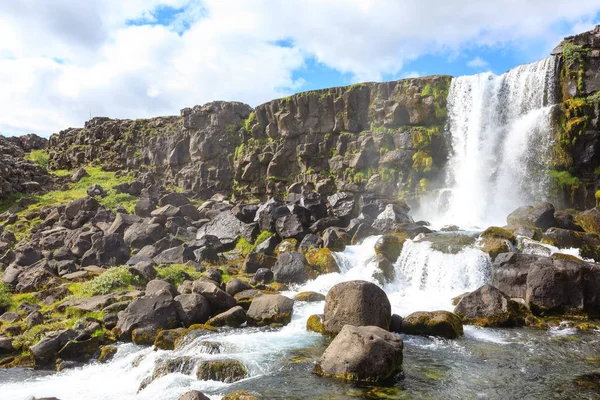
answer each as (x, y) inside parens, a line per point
(375, 137)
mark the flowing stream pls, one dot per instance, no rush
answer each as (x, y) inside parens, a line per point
(484, 364)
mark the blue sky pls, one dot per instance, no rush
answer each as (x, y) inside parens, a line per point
(63, 60)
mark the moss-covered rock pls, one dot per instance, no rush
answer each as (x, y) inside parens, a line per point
(309, 297)
(107, 353)
(315, 323)
(449, 243)
(240, 395)
(322, 261)
(227, 371)
(435, 323)
(589, 220)
(494, 246)
(489, 307)
(165, 340)
(497, 232)
(233, 317)
(270, 309)
(390, 246)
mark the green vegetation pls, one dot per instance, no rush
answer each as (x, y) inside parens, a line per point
(244, 247)
(564, 178)
(177, 273)
(39, 157)
(5, 298)
(250, 121)
(422, 161)
(115, 278)
(264, 235)
(573, 53)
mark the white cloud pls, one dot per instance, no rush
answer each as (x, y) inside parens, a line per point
(62, 59)
(477, 63)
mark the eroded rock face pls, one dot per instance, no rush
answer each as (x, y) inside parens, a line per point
(362, 354)
(357, 303)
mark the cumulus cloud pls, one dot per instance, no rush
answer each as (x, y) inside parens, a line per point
(61, 60)
(478, 62)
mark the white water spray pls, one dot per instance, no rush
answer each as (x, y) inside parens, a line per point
(501, 134)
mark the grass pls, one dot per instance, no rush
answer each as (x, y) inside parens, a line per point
(177, 273)
(6, 300)
(39, 157)
(244, 247)
(116, 278)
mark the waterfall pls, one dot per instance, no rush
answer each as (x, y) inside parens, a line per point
(501, 137)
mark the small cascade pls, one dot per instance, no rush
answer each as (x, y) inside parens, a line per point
(501, 137)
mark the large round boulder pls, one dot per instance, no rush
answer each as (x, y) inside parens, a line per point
(362, 354)
(269, 309)
(357, 303)
(291, 267)
(433, 323)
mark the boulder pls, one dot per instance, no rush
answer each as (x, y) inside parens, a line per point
(45, 350)
(290, 226)
(509, 273)
(264, 275)
(291, 267)
(158, 286)
(149, 312)
(540, 216)
(108, 250)
(270, 309)
(489, 307)
(332, 240)
(433, 323)
(227, 371)
(314, 323)
(389, 246)
(362, 354)
(165, 340)
(174, 199)
(357, 303)
(254, 261)
(235, 286)
(218, 299)
(192, 309)
(228, 229)
(142, 234)
(193, 395)
(233, 318)
(343, 205)
(309, 297)
(589, 220)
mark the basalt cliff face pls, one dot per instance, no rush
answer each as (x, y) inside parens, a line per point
(388, 138)
(379, 137)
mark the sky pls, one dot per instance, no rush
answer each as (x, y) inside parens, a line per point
(62, 61)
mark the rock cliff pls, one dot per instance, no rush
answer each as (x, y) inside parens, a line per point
(380, 137)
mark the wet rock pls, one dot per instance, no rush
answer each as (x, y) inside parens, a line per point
(240, 395)
(362, 354)
(385, 269)
(509, 273)
(589, 220)
(309, 297)
(489, 307)
(396, 325)
(494, 246)
(233, 318)
(540, 216)
(244, 299)
(322, 261)
(270, 309)
(107, 353)
(227, 371)
(192, 309)
(332, 240)
(291, 267)
(314, 323)
(79, 350)
(357, 303)
(435, 323)
(165, 340)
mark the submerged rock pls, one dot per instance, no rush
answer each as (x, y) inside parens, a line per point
(227, 371)
(358, 303)
(362, 354)
(433, 323)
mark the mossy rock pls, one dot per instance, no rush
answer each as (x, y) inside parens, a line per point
(19, 361)
(144, 336)
(165, 340)
(309, 297)
(589, 220)
(227, 371)
(435, 323)
(449, 243)
(315, 324)
(390, 246)
(497, 232)
(494, 246)
(193, 332)
(322, 261)
(107, 353)
(566, 257)
(240, 395)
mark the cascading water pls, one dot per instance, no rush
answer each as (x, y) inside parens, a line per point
(500, 127)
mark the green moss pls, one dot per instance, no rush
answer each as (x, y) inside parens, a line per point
(497, 232)
(322, 261)
(6, 300)
(177, 273)
(250, 121)
(573, 53)
(39, 157)
(315, 324)
(244, 247)
(564, 179)
(422, 161)
(114, 279)
(264, 235)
